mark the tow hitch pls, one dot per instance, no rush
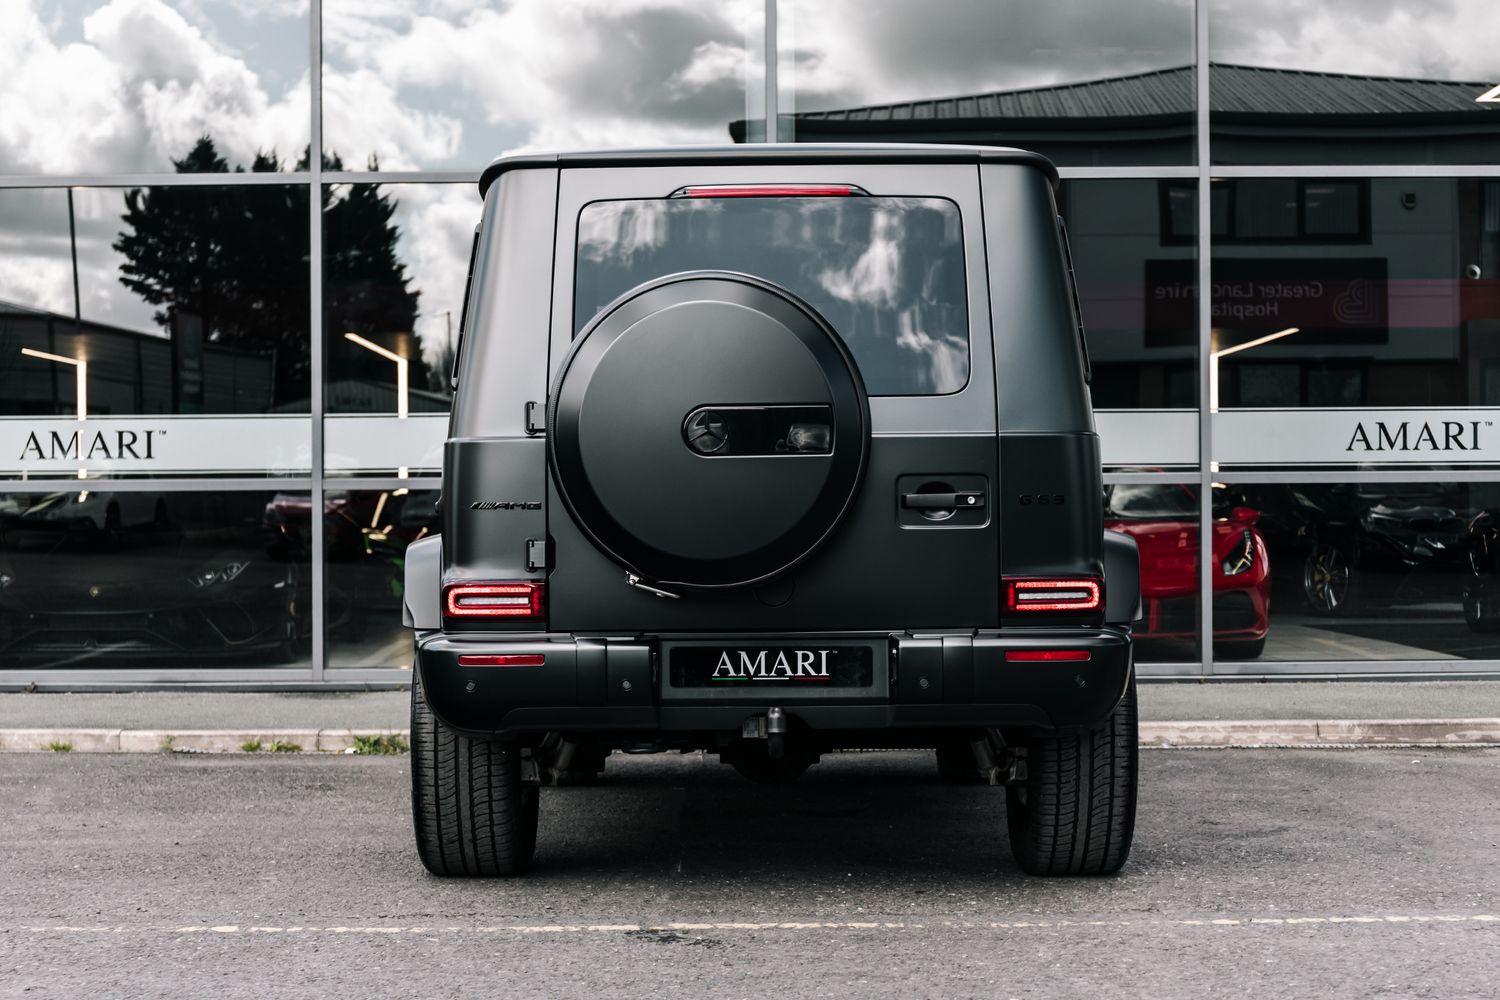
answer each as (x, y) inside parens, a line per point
(770, 727)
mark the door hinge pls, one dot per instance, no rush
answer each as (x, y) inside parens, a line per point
(633, 580)
(536, 418)
(538, 554)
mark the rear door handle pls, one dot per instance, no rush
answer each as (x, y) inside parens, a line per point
(942, 501)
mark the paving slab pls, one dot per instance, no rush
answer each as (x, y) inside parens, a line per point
(387, 711)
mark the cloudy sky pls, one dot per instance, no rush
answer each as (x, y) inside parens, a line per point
(119, 86)
(127, 85)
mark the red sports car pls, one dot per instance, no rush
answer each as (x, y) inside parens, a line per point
(1163, 519)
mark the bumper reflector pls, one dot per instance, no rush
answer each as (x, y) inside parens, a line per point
(1046, 655)
(501, 660)
(1082, 594)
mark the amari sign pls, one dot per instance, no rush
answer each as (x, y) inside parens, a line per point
(155, 446)
(1165, 439)
(274, 444)
(1357, 437)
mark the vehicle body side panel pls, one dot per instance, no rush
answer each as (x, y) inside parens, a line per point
(503, 357)
(421, 602)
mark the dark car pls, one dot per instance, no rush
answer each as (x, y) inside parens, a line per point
(766, 452)
(142, 577)
(1481, 593)
(1163, 520)
(365, 535)
(1340, 548)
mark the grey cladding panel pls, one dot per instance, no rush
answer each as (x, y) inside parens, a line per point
(1051, 507)
(505, 338)
(506, 478)
(1038, 365)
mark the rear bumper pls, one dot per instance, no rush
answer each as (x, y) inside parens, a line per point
(922, 681)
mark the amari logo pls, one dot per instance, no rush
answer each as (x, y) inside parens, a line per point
(52, 446)
(803, 664)
(1406, 436)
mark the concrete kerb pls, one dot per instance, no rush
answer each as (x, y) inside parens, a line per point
(1269, 733)
(1326, 732)
(187, 740)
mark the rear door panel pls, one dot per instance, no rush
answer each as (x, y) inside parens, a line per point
(875, 572)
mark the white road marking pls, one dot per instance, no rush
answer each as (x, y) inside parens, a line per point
(774, 925)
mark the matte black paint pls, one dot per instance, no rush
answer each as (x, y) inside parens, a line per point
(871, 574)
(926, 594)
(615, 431)
(769, 154)
(564, 694)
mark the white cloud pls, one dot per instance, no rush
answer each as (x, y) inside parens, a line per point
(437, 231)
(372, 121)
(138, 90)
(1439, 39)
(548, 74)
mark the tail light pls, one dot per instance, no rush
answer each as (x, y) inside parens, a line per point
(769, 191)
(1071, 594)
(519, 599)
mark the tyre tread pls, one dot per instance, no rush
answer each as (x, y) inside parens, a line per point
(471, 813)
(1078, 817)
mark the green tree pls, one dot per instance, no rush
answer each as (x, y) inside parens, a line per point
(236, 257)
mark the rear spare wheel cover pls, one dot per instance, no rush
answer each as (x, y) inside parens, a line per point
(708, 430)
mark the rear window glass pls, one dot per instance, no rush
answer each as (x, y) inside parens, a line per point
(887, 273)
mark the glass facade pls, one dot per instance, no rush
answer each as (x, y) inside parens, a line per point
(1284, 217)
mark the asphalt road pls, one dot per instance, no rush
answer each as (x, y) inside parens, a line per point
(1255, 874)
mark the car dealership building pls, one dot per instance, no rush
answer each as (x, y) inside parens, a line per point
(224, 362)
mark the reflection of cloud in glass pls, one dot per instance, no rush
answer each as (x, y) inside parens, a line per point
(887, 273)
(1430, 39)
(138, 86)
(418, 84)
(947, 359)
(870, 280)
(838, 53)
(624, 229)
(534, 74)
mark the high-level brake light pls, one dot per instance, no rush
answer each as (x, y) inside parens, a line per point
(1081, 594)
(518, 599)
(768, 191)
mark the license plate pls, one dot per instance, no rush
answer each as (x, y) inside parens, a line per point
(771, 666)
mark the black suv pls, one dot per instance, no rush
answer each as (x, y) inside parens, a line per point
(770, 451)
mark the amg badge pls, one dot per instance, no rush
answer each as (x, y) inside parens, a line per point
(506, 505)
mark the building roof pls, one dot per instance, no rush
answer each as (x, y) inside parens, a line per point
(1166, 93)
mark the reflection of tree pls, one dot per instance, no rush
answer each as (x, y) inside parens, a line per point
(237, 259)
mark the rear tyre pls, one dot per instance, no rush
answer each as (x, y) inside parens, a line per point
(1074, 813)
(956, 764)
(472, 814)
